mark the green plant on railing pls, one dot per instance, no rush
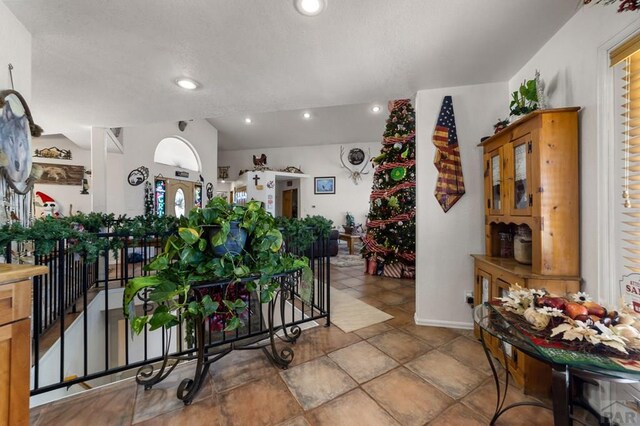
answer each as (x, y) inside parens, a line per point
(81, 230)
(189, 258)
(302, 233)
(525, 99)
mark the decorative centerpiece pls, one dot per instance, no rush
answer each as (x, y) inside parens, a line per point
(218, 242)
(573, 323)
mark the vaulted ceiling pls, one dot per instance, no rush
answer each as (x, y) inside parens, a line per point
(113, 63)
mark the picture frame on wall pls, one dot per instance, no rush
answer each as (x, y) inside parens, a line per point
(324, 185)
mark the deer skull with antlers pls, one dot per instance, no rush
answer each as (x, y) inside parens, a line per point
(356, 157)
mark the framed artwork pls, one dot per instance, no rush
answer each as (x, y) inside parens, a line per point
(16, 129)
(53, 152)
(60, 174)
(324, 185)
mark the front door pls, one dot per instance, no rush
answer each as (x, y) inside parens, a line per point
(287, 203)
(179, 197)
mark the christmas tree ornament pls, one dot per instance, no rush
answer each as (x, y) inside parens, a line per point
(398, 173)
(397, 145)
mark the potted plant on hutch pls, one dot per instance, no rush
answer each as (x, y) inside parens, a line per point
(215, 249)
(524, 100)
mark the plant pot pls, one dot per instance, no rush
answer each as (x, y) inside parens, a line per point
(236, 239)
(348, 229)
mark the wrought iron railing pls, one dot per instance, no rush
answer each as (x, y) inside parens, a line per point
(78, 328)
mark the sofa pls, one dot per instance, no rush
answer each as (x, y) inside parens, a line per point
(333, 245)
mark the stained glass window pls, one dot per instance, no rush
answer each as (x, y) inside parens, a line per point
(161, 196)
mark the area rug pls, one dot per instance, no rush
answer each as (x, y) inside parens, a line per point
(349, 313)
(344, 260)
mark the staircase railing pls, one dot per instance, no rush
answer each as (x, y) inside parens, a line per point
(77, 324)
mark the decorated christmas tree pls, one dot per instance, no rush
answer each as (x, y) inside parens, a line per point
(389, 244)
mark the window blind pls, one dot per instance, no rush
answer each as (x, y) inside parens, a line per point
(630, 225)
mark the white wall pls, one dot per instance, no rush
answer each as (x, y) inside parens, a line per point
(569, 64)
(315, 161)
(444, 267)
(15, 49)
(65, 195)
(139, 146)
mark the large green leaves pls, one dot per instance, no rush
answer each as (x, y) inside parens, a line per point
(189, 235)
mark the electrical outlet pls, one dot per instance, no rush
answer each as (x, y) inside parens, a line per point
(468, 297)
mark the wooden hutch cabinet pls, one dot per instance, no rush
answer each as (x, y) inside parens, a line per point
(15, 341)
(531, 181)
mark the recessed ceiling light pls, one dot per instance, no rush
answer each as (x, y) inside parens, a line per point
(375, 108)
(247, 120)
(187, 83)
(310, 7)
(306, 115)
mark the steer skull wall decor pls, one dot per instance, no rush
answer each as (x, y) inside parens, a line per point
(356, 157)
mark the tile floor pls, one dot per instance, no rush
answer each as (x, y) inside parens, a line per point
(391, 373)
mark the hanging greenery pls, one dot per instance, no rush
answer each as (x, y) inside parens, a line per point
(299, 234)
(83, 232)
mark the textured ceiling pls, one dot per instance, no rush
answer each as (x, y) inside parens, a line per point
(330, 125)
(112, 63)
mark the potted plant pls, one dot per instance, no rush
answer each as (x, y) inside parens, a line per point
(524, 100)
(350, 223)
(191, 256)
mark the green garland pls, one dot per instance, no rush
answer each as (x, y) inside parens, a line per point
(82, 231)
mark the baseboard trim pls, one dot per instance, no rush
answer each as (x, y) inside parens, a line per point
(448, 324)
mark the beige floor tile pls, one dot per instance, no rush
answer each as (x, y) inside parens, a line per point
(263, 402)
(162, 398)
(459, 415)
(296, 421)
(400, 318)
(483, 401)
(399, 345)
(391, 298)
(369, 289)
(354, 293)
(390, 285)
(408, 398)
(370, 300)
(201, 413)
(409, 307)
(304, 350)
(468, 334)
(355, 271)
(435, 336)
(351, 282)
(353, 409)
(240, 367)
(338, 285)
(329, 339)
(316, 382)
(446, 373)
(116, 405)
(469, 353)
(373, 330)
(408, 292)
(362, 361)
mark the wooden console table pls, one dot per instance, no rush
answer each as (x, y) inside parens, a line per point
(349, 238)
(15, 341)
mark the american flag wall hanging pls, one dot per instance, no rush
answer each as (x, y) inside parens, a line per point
(450, 183)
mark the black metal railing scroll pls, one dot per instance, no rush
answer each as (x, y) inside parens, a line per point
(78, 328)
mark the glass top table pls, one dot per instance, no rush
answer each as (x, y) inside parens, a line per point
(566, 365)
